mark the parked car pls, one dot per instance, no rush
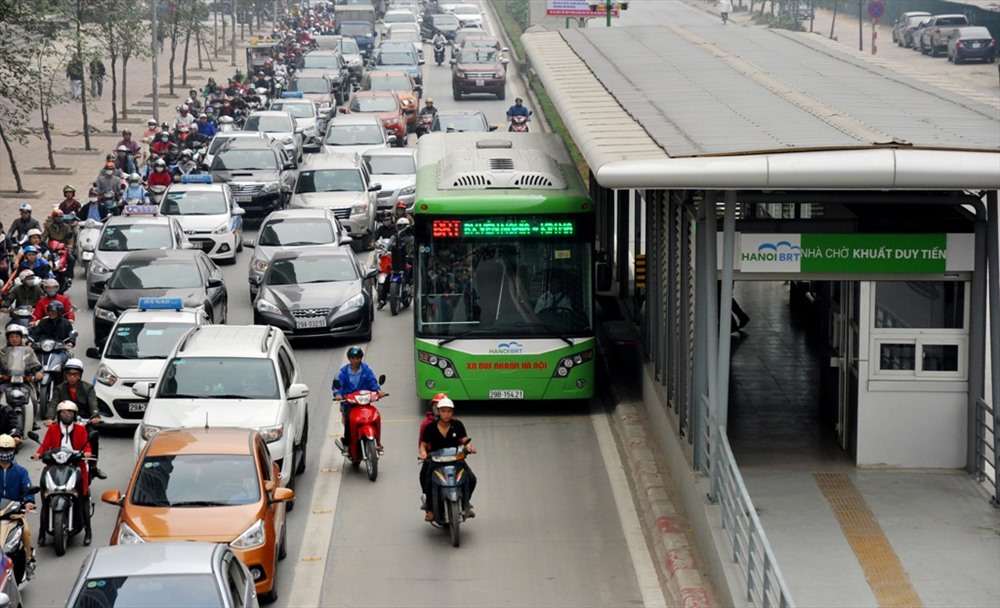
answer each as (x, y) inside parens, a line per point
(902, 22)
(189, 573)
(317, 293)
(909, 33)
(478, 71)
(356, 133)
(918, 31)
(400, 83)
(972, 42)
(339, 182)
(259, 172)
(934, 37)
(212, 484)
(384, 104)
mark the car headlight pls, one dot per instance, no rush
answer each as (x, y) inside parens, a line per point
(270, 187)
(128, 536)
(265, 306)
(105, 314)
(259, 265)
(288, 140)
(359, 208)
(270, 434)
(498, 74)
(98, 267)
(408, 102)
(105, 376)
(221, 229)
(459, 74)
(146, 431)
(254, 536)
(405, 190)
(355, 302)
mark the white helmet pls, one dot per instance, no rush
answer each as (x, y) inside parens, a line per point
(7, 442)
(34, 232)
(402, 223)
(134, 177)
(446, 402)
(69, 405)
(14, 328)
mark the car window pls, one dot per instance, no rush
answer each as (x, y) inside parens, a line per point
(355, 135)
(194, 202)
(389, 83)
(245, 160)
(329, 180)
(270, 123)
(188, 590)
(285, 365)
(264, 461)
(236, 581)
(196, 480)
(373, 104)
(163, 274)
(397, 164)
(298, 110)
(219, 378)
(206, 267)
(952, 21)
(135, 237)
(310, 84)
(293, 232)
(299, 271)
(149, 340)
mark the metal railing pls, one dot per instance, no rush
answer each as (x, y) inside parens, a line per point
(986, 448)
(765, 586)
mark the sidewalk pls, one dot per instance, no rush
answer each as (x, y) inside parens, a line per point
(81, 166)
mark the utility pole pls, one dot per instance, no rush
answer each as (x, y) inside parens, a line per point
(156, 73)
(232, 48)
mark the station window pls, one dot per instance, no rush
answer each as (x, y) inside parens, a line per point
(919, 330)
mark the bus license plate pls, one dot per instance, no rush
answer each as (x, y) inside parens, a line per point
(507, 394)
(310, 323)
(480, 82)
(137, 407)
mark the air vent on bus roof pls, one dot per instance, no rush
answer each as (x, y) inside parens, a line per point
(472, 180)
(499, 168)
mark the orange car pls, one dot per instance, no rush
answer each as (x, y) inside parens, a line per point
(214, 485)
(386, 105)
(404, 87)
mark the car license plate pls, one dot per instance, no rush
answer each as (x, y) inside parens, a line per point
(311, 322)
(480, 82)
(242, 198)
(137, 407)
(975, 45)
(507, 394)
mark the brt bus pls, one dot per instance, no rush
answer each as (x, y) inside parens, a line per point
(504, 242)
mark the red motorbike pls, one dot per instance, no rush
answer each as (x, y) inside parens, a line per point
(59, 256)
(424, 122)
(518, 124)
(366, 428)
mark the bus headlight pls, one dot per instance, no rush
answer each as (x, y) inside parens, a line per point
(567, 363)
(445, 365)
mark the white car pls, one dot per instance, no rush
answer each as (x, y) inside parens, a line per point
(136, 351)
(220, 140)
(395, 169)
(341, 183)
(208, 215)
(468, 14)
(232, 375)
(356, 133)
(309, 114)
(279, 126)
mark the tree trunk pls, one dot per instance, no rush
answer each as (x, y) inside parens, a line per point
(13, 163)
(125, 57)
(114, 93)
(173, 50)
(184, 65)
(833, 22)
(83, 75)
(43, 109)
(197, 46)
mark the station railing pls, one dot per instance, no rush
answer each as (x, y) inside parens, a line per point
(986, 448)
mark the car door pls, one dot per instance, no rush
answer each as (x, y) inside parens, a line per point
(215, 288)
(238, 585)
(271, 476)
(289, 376)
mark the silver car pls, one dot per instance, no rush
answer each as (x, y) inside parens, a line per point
(188, 573)
(396, 170)
(310, 115)
(279, 126)
(220, 140)
(341, 183)
(124, 234)
(291, 228)
(355, 134)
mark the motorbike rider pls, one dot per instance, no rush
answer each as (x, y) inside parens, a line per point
(135, 190)
(184, 117)
(387, 229)
(187, 164)
(56, 229)
(75, 389)
(68, 432)
(448, 432)
(162, 143)
(50, 293)
(205, 126)
(31, 260)
(14, 484)
(725, 7)
(35, 240)
(10, 421)
(69, 204)
(124, 161)
(399, 211)
(438, 39)
(107, 181)
(430, 416)
(27, 291)
(152, 130)
(159, 176)
(355, 376)
(53, 326)
(130, 144)
(19, 227)
(518, 109)
(193, 102)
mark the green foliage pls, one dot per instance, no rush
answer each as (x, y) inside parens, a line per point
(518, 10)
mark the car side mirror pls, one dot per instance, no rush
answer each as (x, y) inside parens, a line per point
(256, 279)
(93, 352)
(5, 601)
(493, 127)
(298, 391)
(215, 282)
(453, 62)
(113, 497)
(504, 62)
(141, 389)
(251, 243)
(381, 379)
(505, 50)
(282, 495)
(239, 211)
(420, 62)
(346, 239)
(374, 187)
(371, 274)
(342, 110)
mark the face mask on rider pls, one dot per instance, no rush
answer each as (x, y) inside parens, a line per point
(6, 455)
(52, 292)
(109, 172)
(67, 417)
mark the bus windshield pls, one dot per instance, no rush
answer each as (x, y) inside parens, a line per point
(503, 281)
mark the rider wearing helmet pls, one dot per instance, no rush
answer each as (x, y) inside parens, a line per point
(135, 190)
(124, 161)
(27, 290)
(159, 176)
(131, 145)
(35, 240)
(29, 258)
(152, 129)
(75, 389)
(184, 117)
(29, 368)
(50, 289)
(355, 376)
(187, 164)
(61, 231)
(447, 432)
(78, 438)
(53, 326)
(19, 227)
(14, 486)
(69, 204)
(429, 107)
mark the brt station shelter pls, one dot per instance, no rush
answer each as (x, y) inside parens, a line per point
(866, 199)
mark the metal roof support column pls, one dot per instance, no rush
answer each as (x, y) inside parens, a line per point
(705, 350)
(621, 243)
(638, 219)
(977, 334)
(993, 270)
(725, 305)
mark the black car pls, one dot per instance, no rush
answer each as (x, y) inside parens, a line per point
(259, 172)
(187, 274)
(317, 292)
(972, 42)
(446, 23)
(462, 121)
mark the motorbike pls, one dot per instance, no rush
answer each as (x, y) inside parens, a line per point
(20, 314)
(424, 122)
(156, 194)
(519, 124)
(20, 393)
(90, 232)
(725, 18)
(12, 533)
(366, 429)
(449, 490)
(62, 497)
(52, 354)
(439, 53)
(384, 269)
(59, 260)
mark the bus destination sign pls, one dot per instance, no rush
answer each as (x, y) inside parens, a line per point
(501, 227)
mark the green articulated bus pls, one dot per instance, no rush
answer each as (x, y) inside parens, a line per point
(504, 242)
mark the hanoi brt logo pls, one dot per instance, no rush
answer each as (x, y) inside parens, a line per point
(770, 253)
(512, 347)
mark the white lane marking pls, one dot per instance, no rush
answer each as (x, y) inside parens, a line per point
(642, 560)
(307, 584)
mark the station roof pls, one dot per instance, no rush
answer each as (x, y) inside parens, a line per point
(711, 107)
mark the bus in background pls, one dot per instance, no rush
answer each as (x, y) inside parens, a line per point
(503, 269)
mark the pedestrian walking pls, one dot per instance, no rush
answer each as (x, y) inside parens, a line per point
(74, 71)
(97, 73)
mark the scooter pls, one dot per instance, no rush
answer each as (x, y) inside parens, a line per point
(52, 354)
(61, 496)
(59, 256)
(19, 395)
(20, 314)
(156, 194)
(519, 124)
(424, 122)
(449, 490)
(439, 53)
(400, 288)
(90, 232)
(12, 533)
(366, 429)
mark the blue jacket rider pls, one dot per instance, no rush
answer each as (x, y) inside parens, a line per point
(355, 376)
(518, 109)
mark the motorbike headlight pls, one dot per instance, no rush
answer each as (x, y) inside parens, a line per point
(48, 345)
(221, 228)
(270, 187)
(105, 314)
(146, 431)
(98, 267)
(105, 376)
(270, 434)
(254, 536)
(359, 208)
(259, 265)
(128, 536)
(265, 306)
(13, 540)
(405, 190)
(355, 302)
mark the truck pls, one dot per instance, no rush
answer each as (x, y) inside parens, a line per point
(358, 22)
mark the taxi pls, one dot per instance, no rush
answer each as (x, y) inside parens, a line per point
(216, 485)
(136, 351)
(208, 214)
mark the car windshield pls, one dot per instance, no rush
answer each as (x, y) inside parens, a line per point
(389, 83)
(445, 21)
(355, 29)
(188, 590)
(400, 17)
(480, 43)
(329, 180)
(319, 61)
(967, 33)
(461, 122)
(466, 9)
(397, 58)
(355, 135)
(310, 84)
(270, 123)
(194, 202)
(298, 110)
(149, 340)
(951, 21)
(156, 274)
(395, 164)
(291, 233)
(404, 36)
(478, 56)
(196, 480)
(349, 46)
(296, 271)
(373, 104)
(219, 378)
(217, 142)
(245, 160)
(136, 237)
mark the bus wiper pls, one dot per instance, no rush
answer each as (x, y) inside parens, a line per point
(464, 334)
(561, 337)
